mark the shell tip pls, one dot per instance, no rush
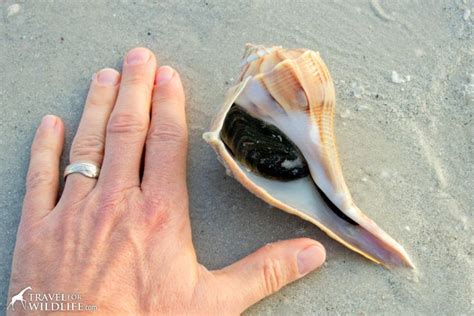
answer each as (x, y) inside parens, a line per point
(210, 137)
(207, 136)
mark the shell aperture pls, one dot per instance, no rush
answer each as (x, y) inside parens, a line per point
(262, 147)
(266, 150)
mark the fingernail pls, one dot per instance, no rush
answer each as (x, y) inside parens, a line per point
(138, 56)
(310, 258)
(48, 121)
(164, 75)
(108, 77)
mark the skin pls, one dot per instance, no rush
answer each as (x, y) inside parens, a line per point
(123, 241)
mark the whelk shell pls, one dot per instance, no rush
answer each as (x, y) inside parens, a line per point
(275, 136)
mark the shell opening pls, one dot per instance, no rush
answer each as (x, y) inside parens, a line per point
(267, 151)
(261, 147)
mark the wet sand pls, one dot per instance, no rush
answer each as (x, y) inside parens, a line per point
(404, 77)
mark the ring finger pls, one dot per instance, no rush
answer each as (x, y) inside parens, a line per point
(89, 142)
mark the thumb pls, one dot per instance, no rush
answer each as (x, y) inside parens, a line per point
(269, 269)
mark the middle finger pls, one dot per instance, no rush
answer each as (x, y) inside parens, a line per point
(129, 121)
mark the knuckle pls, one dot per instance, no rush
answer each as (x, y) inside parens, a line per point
(168, 133)
(112, 198)
(99, 99)
(137, 82)
(39, 178)
(89, 146)
(127, 123)
(158, 206)
(111, 195)
(42, 147)
(158, 203)
(108, 205)
(169, 97)
(273, 275)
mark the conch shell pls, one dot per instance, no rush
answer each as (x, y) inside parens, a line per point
(275, 135)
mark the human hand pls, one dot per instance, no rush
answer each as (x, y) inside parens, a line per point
(124, 241)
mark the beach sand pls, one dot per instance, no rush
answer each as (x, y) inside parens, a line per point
(404, 77)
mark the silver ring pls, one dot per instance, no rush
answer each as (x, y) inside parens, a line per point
(87, 169)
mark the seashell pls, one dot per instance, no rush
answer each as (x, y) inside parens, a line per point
(275, 136)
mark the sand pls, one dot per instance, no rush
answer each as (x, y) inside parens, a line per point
(404, 75)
